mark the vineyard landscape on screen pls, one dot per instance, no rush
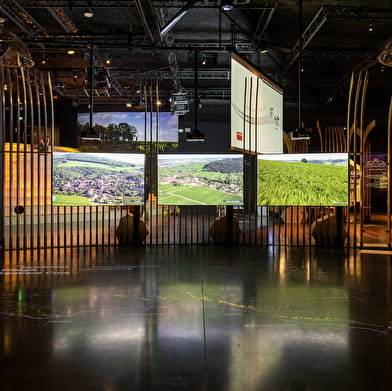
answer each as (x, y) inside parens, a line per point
(83, 179)
(200, 179)
(302, 179)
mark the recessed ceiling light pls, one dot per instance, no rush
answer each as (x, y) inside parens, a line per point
(227, 5)
(71, 52)
(128, 104)
(88, 13)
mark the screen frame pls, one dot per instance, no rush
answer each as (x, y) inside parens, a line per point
(339, 155)
(143, 162)
(218, 155)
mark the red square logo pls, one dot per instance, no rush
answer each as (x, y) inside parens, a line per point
(239, 136)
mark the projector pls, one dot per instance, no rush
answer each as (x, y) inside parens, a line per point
(195, 135)
(179, 103)
(300, 134)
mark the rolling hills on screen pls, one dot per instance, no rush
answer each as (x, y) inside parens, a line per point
(187, 180)
(289, 183)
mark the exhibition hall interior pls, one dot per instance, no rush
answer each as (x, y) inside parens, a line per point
(195, 195)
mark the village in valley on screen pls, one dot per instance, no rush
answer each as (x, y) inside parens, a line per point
(85, 179)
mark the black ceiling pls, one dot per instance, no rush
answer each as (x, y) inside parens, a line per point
(336, 42)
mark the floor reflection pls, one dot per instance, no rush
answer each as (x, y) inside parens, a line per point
(195, 318)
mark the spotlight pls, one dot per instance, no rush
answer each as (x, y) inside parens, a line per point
(128, 104)
(204, 60)
(371, 26)
(45, 58)
(88, 13)
(159, 103)
(70, 52)
(227, 5)
(108, 59)
(75, 77)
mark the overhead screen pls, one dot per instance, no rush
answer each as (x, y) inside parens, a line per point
(200, 179)
(129, 126)
(256, 110)
(85, 179)
(302, 179)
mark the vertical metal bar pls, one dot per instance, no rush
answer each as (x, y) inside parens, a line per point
(389, 174)
(45, 155)
(155, 153)
(254, 162)
(251, 136)
(361, 153)
(96, 225)
(220, 28)
(31, 152)
(18, 154)
(2, 160)
(84, 226)
(90, 236)
(355, 123)
(10, 154)
(77, 226)
(58, 226)
(104, 208)
(38, 155)
(52, 143)
(348, 127)
(250, 115)
(25, 154)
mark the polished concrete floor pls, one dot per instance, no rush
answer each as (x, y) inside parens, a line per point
(195, 318)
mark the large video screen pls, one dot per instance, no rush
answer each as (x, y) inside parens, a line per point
(129, 126)
(85, 179)
(200, 179)
(304, 179)
(256, 110)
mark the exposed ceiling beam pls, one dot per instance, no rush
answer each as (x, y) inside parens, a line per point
(148, 18)
(333, 12)
(107, 41)
(127, 3)
(63, 19)
(170, 23)
(21, 18)
(264, 21)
